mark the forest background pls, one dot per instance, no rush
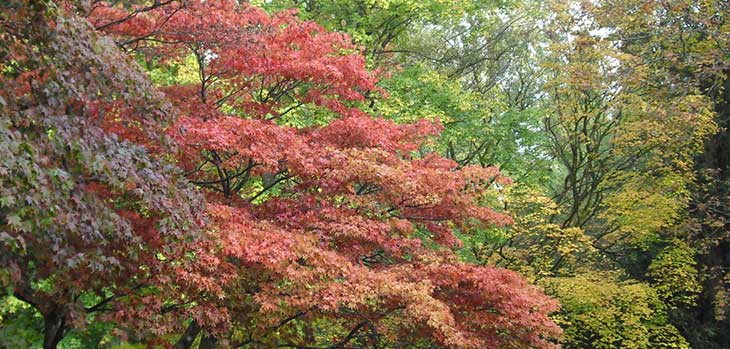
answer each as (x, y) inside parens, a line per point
(607, 120)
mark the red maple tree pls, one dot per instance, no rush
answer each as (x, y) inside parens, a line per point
(338, 235)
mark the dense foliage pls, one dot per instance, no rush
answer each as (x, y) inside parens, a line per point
(364, 174)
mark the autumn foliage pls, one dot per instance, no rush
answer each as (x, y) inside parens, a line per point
(215, 217)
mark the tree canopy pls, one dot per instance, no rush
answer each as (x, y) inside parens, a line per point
(364, 174)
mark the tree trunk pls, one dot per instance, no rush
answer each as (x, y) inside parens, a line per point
(54, 328)
(208, 342)
(187, 339)
(717, 260)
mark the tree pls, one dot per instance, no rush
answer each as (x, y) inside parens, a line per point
(335, 234)
(600, 311)
(88, 221)
(684, 46)
(468, 63)
(624, 150)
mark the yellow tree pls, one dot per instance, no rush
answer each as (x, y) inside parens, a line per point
(684, 44)
(623, 147)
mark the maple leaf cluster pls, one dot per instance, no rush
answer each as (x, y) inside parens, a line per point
(349, 223)
(84, 211)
